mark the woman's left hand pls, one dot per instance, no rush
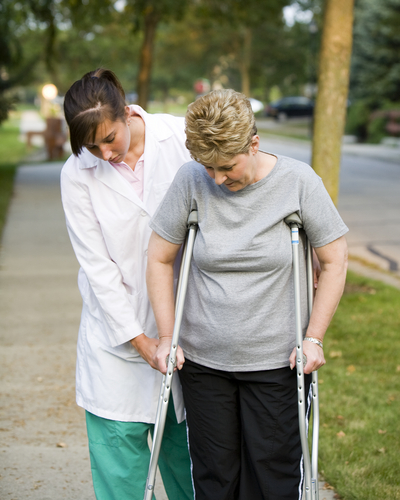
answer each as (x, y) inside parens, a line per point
(315, 357)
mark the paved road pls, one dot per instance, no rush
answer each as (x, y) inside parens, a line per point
(369, 199)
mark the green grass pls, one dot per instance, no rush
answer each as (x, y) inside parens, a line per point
(360, 394)
(11, 153)
(171, 108)
(284, 133)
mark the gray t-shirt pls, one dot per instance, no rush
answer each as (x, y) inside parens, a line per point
(239, 310)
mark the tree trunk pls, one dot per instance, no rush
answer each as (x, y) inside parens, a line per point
(146, 57)
(245, 61)
(333, 84)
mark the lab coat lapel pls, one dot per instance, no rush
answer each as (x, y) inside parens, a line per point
(109, 176)
(151, 152)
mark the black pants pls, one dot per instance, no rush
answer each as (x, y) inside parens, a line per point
(243, 433)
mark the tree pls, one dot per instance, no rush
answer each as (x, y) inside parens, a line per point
(333, 82)
(243, 17)
(145, 16)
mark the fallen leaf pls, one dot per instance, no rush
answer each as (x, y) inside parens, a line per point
(61, 445)
(340, 434)
(382, 450)
(327, 486)
(398, 368)
(351, 369)
(335, 354)
(381, 431)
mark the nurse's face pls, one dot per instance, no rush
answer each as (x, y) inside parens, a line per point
(112, 141)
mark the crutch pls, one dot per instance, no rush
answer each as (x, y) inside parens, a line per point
(166, 383)
(310, 467)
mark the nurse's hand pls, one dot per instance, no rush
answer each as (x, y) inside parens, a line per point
(160, 359)
(146, 347)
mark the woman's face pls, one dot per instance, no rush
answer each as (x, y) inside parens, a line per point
(236, 173)
(112, 141)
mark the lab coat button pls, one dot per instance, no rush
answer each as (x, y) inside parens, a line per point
(143, 213)
(146, 252)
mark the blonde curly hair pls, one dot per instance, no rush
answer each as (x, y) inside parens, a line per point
(219, 126)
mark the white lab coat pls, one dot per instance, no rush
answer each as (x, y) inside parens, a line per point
(108, 227)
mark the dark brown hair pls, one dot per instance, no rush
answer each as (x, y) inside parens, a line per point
(96, 97)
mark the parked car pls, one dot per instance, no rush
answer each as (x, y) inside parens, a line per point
(289, 107)
(256, 105)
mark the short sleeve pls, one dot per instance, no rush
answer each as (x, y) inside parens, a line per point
(170, 219)
(321, 220)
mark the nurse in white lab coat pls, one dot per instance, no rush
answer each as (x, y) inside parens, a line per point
(124, 161)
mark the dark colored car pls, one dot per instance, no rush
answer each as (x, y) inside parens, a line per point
(289, 107)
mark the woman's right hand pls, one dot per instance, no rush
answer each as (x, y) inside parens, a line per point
(160, 359)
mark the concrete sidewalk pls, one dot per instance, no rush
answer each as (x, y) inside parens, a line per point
(43, 451)
(43, 448)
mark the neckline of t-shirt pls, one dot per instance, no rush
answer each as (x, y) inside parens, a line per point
(262, 181)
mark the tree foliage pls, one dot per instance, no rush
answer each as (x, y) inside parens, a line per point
(245, 19)
(376, 57)
(15, 68)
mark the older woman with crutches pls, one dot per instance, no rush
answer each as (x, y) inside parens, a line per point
(238, 328)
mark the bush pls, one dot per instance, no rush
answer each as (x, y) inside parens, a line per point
(357, 120)
(371, 122)
(376, 129)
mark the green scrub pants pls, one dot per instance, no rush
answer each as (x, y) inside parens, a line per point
(120, 456)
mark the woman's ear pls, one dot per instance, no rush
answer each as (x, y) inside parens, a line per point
(128, 115)
(255, 144)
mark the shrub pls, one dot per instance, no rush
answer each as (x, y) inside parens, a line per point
(357, 120)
